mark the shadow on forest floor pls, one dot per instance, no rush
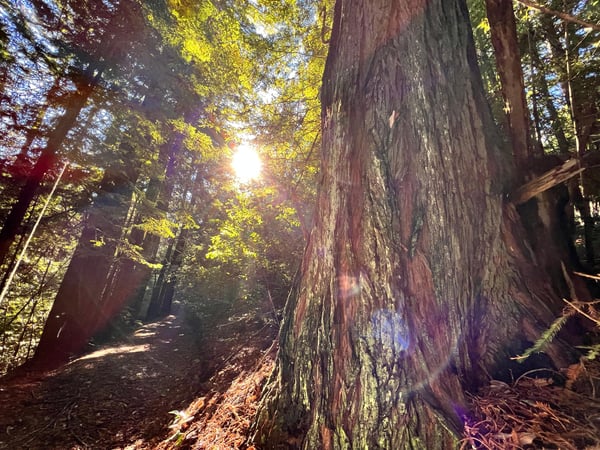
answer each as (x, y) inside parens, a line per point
(123, 395)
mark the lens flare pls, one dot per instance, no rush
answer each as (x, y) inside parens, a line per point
(246, 163)
(391, 330)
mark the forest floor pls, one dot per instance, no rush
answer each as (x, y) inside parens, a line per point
(160, 387)
(170, 385)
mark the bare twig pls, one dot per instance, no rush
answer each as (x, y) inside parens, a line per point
(579, 310)
(564, 16)
(593, 277)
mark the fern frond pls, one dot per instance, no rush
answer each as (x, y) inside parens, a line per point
(592, 351)
(546, 337)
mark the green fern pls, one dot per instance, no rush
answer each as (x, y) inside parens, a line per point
(546, 337)
(592, 351)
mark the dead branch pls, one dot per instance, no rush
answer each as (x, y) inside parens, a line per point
(546, 181)
(564, 16)
(554, 176)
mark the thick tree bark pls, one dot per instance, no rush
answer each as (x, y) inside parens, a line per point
(416, 282)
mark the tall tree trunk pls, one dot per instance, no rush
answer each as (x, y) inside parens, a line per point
(164, 289)
(579, 108)
(503, 30)
(85, 85)
(416, 281)
(542, 217)
(556, 123)
(36, 123)
(132, 278)
(154, 307)
(127, 285)
(78, 311)
(583, 206)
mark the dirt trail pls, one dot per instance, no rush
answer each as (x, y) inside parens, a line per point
(116, 397)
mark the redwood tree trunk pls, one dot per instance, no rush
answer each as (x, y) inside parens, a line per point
(503, 30)
(416, 281)
(78, 311)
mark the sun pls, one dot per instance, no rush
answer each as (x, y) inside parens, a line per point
(246, 163)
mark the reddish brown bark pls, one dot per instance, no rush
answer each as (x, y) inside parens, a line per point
(78, 311)
(503, 30)
(416, 282)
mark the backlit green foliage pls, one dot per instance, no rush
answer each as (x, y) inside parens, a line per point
(159, 227)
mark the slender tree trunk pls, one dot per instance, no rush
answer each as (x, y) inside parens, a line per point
(503, 30)
(556, 123)
(579, 108)
(559, 200)
(164, 289)
(127, 282)
(46, 161)
(154, 308)
(416, 281)
(34, 128)
(22, 167)
(132, 278)
(542, 218)
(163, 205)
(583, 206)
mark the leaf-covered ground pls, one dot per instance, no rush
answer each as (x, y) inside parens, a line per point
(164, 388)
(160, 387)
